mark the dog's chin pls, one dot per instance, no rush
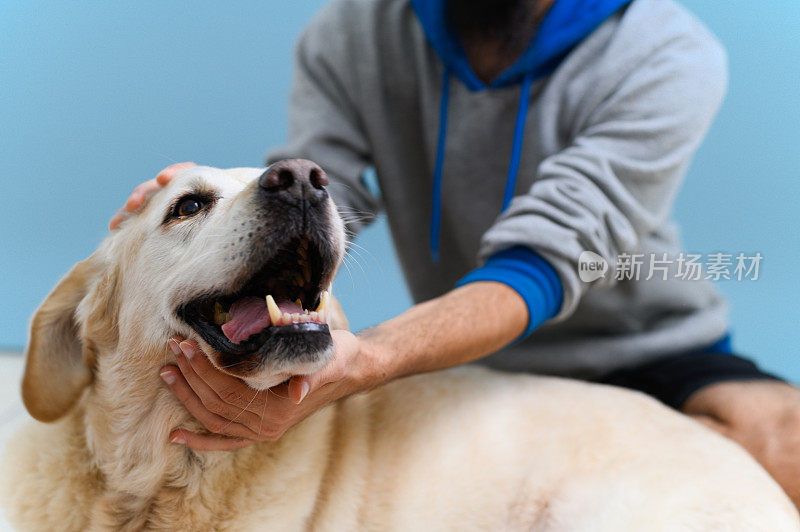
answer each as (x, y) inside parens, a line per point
(275, 374)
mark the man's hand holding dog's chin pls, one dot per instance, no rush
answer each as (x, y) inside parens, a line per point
(237, 415)
(458, 327)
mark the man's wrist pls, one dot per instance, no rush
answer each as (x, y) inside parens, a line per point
(375, 365)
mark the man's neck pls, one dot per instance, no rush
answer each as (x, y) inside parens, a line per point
(490, 53)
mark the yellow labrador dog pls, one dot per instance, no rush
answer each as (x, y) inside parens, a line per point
(466, 449)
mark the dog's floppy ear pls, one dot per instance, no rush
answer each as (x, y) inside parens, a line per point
(58, 365)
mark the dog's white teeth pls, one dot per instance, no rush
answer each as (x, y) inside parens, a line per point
(323, 301)
(296, 317)
(298, 302)
(275, 314)
(278, 317)
(220, 316)
(322, 309)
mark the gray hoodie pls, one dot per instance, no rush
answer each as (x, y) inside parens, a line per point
(605, 116)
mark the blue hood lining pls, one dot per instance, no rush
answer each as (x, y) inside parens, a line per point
(566, 23)
(513, 165)
(436, 196)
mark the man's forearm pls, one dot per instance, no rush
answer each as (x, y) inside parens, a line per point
(461, 326)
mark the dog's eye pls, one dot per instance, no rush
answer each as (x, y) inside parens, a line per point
(188, 206)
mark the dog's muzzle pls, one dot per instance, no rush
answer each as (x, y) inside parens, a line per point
(281, 305)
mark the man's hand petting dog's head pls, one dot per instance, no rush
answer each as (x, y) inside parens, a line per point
(143, 191)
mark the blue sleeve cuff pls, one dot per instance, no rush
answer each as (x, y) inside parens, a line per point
(530, 275)
(723, 345)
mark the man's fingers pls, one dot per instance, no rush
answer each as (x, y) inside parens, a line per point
(299, 387)
(208, 442)
(212, 396)
(211, 421)
(142, 192)
(213, 402)
(117, 218)
(229, 389)
(166, 175)
(135, 202)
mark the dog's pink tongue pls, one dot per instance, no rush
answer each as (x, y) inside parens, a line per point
(249, 316)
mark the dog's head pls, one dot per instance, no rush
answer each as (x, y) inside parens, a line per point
(240, 260)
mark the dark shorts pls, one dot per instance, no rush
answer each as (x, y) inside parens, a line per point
(673, 379)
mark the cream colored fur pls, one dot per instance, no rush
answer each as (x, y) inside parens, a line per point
(465, 449)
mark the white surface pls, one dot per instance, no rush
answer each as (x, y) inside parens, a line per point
(12, 413)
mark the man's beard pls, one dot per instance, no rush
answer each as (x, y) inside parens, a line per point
(505, 22)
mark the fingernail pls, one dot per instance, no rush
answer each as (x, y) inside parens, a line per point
(173, 344)
(303, 391)
(178, 439)
(187, 349)
(168, 376)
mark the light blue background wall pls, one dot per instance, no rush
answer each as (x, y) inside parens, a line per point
(97, 96)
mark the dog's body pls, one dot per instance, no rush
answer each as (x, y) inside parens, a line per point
(463, 449)
(467, 449)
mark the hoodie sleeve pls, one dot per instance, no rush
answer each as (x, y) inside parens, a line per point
(324, 125)
(616, 180)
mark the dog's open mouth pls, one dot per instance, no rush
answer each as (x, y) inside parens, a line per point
(286, 296)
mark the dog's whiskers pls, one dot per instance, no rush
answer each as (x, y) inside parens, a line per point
(243, 409)
(351, 210)
(351, 219)
(355, 256)
(355, 244)
(234, 364)
(263, 413)
(270, 390)
(360, 214)
(353, 259)
(349, 273)
(170, 159)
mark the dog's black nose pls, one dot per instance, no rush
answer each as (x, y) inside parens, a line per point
(295, 179)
